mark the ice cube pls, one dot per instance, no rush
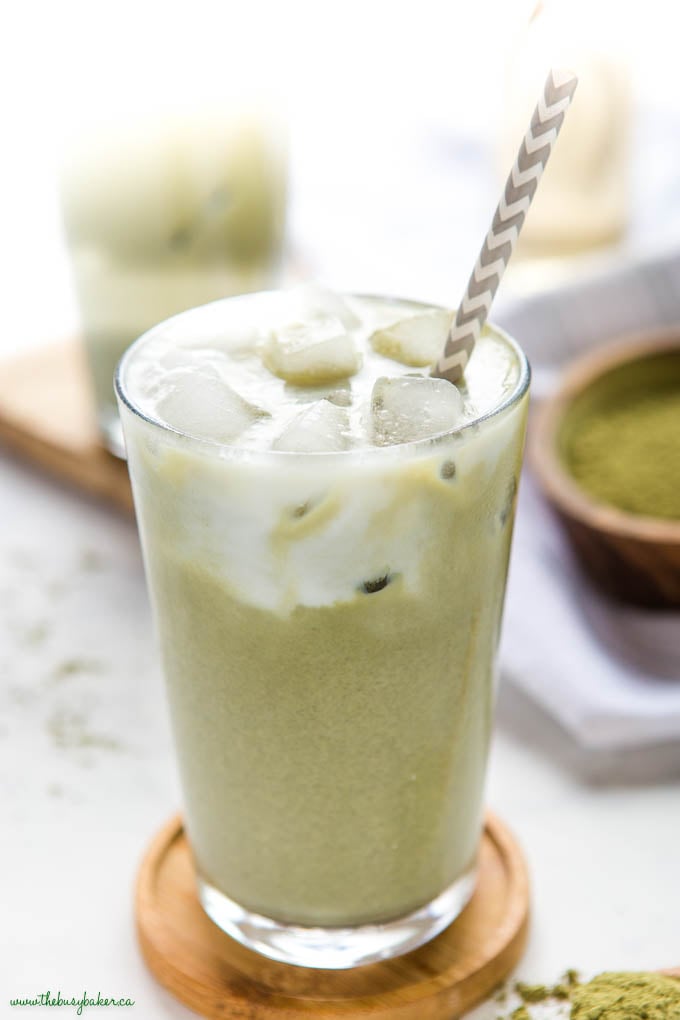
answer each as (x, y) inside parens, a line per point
(413, 407)
(417, 341)
(322, 427)
(311, 353)
(207, 359)
(342, 396)
(197, 401)
(311, 301)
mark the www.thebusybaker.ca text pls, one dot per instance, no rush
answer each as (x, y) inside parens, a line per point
(48, 999)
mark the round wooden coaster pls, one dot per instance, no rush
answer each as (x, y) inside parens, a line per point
(218, 977)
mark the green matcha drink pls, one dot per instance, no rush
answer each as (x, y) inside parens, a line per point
(326, 532)
(163, 214)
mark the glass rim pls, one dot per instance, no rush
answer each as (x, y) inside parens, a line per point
(230, 451)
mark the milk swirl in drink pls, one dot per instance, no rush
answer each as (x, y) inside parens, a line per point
(326, 533)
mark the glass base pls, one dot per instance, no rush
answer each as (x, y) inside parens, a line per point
(111, 432)
(336, 948)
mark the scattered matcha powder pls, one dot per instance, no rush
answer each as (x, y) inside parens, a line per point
(76, 667)
(627, 996)
(533, 993)
(542, 993)
(70, 730)
(502, 994)
(91, 561)
(624, 995)
(36, 634)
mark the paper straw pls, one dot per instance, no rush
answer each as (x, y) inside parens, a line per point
(499, 244)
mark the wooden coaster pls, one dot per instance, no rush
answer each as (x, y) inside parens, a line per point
(46, 416)
(217, 977)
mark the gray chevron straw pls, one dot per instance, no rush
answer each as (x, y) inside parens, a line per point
(508, 220)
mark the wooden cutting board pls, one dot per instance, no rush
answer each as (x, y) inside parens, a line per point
(47, 418)
(219, 978)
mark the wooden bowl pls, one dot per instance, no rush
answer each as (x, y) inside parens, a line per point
(635, 559)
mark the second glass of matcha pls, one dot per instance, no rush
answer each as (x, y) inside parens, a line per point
(164, 211)
(326, 532)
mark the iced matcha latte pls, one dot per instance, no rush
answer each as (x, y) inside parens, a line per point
(164, 214)
(326, 532)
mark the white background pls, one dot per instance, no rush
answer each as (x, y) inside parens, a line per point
(396, 109)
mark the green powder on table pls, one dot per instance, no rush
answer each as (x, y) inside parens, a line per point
(627, 453)
(540, 993)
(624, 995)
(627, 996)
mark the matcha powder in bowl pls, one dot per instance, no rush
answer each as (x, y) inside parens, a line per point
(605, 448)
(629, 455)
(620, 437)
